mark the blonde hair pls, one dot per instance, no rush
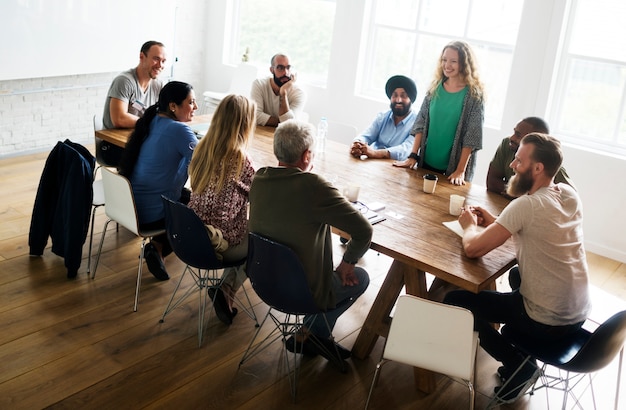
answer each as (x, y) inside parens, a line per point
(467, 69)
(221, 154)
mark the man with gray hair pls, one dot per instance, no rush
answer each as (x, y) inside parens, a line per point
(297, 208)
(278, 98)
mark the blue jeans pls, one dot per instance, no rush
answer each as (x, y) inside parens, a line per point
(345, 297)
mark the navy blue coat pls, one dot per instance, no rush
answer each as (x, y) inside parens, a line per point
(63, 204)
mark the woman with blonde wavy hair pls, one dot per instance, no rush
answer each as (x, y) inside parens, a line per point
(448, 128)
(220, 173)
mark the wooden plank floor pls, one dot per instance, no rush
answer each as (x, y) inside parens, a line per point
(78, 344)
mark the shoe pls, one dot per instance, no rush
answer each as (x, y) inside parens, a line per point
(515, 386)
(220, 305)
(328, 348)
(154, 261)
(504, 373)
(307, 348)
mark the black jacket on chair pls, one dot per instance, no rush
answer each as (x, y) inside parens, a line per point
(63, 204)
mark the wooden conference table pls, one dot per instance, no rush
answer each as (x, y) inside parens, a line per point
(412, 234)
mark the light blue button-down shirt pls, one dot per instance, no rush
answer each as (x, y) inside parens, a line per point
(385, 134)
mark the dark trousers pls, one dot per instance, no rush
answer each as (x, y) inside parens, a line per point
(491, 307)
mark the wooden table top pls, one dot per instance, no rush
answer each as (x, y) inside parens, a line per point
(413, 232)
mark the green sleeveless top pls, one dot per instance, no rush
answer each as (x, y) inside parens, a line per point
(445, 112)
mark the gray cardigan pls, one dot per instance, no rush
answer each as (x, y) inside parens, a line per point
(469, 132)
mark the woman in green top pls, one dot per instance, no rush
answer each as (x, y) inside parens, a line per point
(448, 128)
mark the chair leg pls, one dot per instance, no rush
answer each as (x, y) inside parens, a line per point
(248, 309)
(619, 377)
(379, 365)
(173, 306)
(496, 400)
(104, 231)
(93, 220)
(139, 271)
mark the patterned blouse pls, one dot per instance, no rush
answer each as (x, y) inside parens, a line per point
(228, 209)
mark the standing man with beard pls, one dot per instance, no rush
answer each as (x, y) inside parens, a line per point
(389, 135)
(545, 221)
(278, 98)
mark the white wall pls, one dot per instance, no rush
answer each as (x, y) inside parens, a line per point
(35, 113)
(35, 121)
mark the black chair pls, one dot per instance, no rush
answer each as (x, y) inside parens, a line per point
(190, 241)
(582, 354)
(277, 276)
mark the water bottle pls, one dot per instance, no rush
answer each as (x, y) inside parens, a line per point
(322, 132)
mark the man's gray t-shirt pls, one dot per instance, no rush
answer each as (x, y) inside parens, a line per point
(125, 87)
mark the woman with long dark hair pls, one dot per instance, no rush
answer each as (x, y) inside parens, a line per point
(155, 161)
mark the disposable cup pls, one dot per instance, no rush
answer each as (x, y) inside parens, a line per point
(351, 192)
(456, 203)
(430, 182)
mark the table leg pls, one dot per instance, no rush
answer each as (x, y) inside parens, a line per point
(415, 282)
(377, 322)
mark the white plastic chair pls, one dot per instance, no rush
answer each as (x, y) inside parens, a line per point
(120, 207)
(243, 76)
(98, 190)
(341, 132)
(432, 336)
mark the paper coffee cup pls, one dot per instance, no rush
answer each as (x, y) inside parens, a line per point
(430, 182)
(351, 193)
(456, 203)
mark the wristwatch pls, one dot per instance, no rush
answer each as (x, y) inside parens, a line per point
(413, 155)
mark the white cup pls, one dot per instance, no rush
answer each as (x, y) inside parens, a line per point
(430, 182)
(456, 203)
(351, 192)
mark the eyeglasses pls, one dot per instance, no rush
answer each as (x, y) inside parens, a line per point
(281, 67)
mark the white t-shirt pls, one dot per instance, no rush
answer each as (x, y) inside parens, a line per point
(547, 228)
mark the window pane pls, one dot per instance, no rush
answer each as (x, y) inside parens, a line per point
(387, 13)
(436, 17)
(494, 66)
(599, 30)
(495, 21)
(592, 99)
(302, 29)
(489, 26)
(394, 54)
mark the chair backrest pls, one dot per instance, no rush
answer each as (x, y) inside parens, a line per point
(120, 202)
(277, 276)
(601, 347)
(243, 76)
(433, 336)
(188, 236)
(340, 132)
(97, 122)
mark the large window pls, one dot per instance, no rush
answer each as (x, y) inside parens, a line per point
(589, 105)
(407, 37)
(302, 29)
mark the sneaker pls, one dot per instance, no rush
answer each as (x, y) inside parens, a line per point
(154, 261)
(515, 386)
(220, 305)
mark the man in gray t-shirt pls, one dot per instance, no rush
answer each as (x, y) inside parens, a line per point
(545, 222)
(136, 89)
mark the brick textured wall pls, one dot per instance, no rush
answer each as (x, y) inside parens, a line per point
(35, 113)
